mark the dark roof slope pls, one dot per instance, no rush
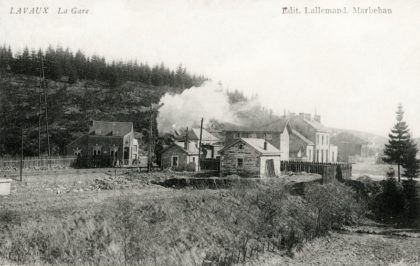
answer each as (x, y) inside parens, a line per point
(194, 134)
(277, 125)
(192, 149)
(303, 138)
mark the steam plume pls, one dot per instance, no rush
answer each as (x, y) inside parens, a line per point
(181, 110)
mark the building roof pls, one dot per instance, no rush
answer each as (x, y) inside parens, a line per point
(192, 149)
(277, 125)
(316, 125)
(205, 136)
(234, 127)
(194, 134)
(296, 133)
(110, 128)
(256, 144)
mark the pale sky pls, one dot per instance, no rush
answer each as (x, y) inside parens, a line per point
(353, 69)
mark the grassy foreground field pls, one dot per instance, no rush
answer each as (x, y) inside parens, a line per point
(108, 218)
(351, 249)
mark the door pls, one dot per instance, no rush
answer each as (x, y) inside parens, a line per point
(269, 168)
(126, 155)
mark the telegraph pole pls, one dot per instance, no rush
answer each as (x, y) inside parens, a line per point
(199, 144)
(46, 105)
(151, 110)
(21, 154)
(150, 140)
(39, 118)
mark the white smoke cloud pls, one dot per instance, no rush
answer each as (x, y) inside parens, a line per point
(209, 101)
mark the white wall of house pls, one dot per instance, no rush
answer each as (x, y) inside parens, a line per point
(333, 153)
(193, 159)
(135, 149)
(284, 145)
(310, 153)
(263, 160)
(129, 141)
(323, 152)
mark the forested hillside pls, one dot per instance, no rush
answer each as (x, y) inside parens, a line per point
(78, 89)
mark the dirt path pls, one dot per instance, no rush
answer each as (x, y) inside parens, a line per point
(351, 249)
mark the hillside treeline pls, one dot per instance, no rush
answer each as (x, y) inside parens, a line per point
(63, 65)
(78, 89)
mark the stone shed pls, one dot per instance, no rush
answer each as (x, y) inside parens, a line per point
(250, 157)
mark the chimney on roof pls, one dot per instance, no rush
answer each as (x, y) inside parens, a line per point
(308, 117)
(265, 145)
(186, 140)
(302, 115)
(317, 118)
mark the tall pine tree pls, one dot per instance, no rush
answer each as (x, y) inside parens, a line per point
(401, 149)
(411, 164)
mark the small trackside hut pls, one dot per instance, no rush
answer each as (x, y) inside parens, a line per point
(250, 157)
(180, 156)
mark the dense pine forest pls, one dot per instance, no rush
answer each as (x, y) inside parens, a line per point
(77, 89)
(59, 64)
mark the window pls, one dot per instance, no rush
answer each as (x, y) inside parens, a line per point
(269, 136)
(317, 139)
(236, 135)
(322, 140)
(240, 163)
(327, 139)
(174, 160)
(193, 159)
(322, 156)
(332, 159)
(241, 146)
(96, 150)
(253, 136)
(309, 155)
(317, 155)
(135, 148)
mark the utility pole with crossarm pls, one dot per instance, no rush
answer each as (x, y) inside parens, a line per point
(152, 110)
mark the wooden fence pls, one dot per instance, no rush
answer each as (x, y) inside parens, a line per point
(105, 161)
(210, 164)
(328, 171)
(13, 163)
(58, 162)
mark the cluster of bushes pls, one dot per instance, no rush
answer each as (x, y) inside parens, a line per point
(224, 227)
(388, 201)
(397, 202)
